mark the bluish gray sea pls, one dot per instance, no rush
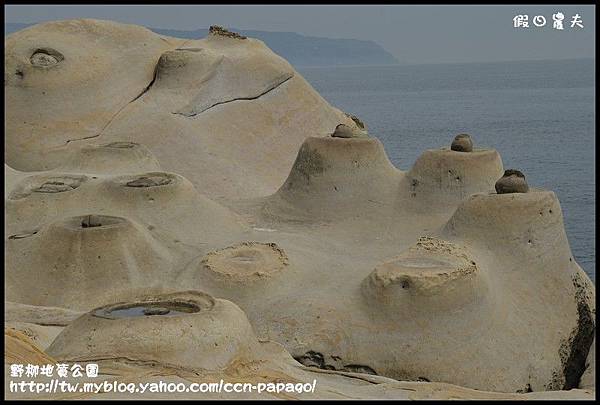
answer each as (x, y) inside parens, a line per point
(540, 116)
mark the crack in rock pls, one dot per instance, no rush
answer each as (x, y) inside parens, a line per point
(193, 114)
(574, 350)
(110, 121)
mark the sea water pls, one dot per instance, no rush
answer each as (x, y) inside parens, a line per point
(540, 117)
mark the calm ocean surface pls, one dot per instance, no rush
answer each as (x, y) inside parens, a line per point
(540, 116)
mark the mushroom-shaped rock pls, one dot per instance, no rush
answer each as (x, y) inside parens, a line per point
(462, 143)
(432, 276)
(85, 261)
(249, 266)
(190, 329)
(246, 262)
(529, 221)
(333, 176)
(513, 181)
(441, 178)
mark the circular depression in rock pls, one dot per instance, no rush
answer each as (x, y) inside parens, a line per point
(45, 57)
(149, 180)
(187, 329)
(46, 185)
(246, 260)
(150, 309)
(427, 269)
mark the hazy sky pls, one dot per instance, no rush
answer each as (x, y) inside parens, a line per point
(414, 34)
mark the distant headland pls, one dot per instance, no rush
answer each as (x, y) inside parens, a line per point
(297, 49)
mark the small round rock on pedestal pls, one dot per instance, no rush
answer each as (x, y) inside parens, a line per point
(513, 181)
(462, 143)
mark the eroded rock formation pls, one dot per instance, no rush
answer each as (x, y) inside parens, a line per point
(180, 171)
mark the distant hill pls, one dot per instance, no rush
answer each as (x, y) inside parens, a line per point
(297, 49)
(12, 27)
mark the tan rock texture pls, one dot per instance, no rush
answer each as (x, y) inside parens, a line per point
(183, 203)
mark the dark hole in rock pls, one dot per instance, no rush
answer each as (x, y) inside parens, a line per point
(311, 359)
(316, 359)
(525, 390)
(91, 221)
(405, 284)
(359, 368)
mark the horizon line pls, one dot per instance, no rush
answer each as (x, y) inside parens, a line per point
(352, 39)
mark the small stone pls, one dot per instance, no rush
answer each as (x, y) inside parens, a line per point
(462, 143)
(156, 311)
(218, 30)
(345, 131)
(357, 121)
(513, 181)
